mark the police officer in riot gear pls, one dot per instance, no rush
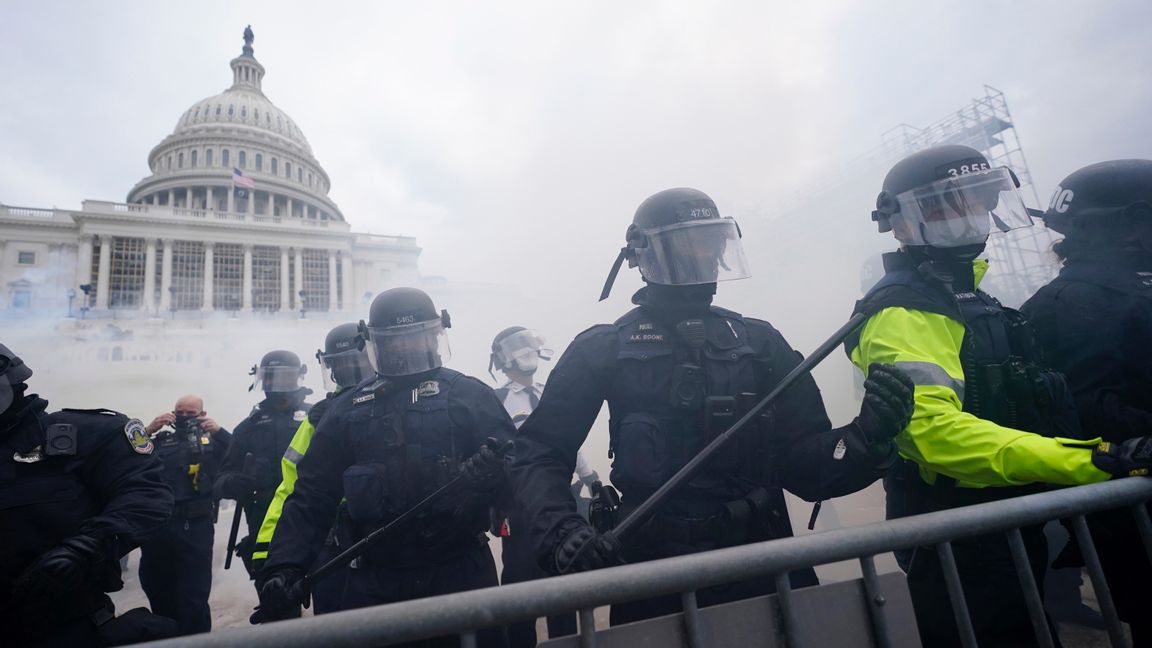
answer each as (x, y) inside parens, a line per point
(1094, 322)
(991, 420)
(344, 365)
(386, 445)
(675, 372)
(176, 566)
(265, 434)
(516, 352)
(78, 490)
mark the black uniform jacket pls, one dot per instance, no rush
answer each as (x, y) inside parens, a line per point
(360, 429)
(108, 489)
(802, 448)
(1094, 322)
(266, 433)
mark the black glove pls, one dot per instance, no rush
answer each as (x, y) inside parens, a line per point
(235, 486)
(888, 403)
(584, 549)
(59, 572)
(278, 590)
(1127, 458)
(485, 469)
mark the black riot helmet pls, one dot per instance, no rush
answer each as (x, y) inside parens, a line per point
(517, 349)
(405, 335)
(279, 371)
(949, 196)
(1102, 197)
(678, 238)
(343, 361)
(13, 372)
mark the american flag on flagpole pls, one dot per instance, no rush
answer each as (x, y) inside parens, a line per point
(241, 180)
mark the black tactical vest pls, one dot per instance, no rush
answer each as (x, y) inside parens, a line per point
(191, 462)
(676, 387)
(405, 446)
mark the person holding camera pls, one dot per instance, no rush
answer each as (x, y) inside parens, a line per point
(176, 566)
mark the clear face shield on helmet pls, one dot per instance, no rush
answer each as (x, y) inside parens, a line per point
(521, 351)
(960, 210)
(693, 252)
(344, 369)
(409, 349)
(277, 379)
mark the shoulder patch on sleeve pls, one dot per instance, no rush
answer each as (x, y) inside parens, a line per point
(363, 398)
(137, 436)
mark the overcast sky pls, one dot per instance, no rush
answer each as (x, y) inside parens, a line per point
(515, 139)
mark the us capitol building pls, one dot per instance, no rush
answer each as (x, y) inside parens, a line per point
(234, 217)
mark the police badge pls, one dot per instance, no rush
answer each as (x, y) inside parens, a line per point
(138, 437)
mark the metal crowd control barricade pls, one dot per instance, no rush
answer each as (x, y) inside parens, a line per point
(874, 610)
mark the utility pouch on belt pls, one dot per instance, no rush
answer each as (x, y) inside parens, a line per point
(603, 511)
(719, 414)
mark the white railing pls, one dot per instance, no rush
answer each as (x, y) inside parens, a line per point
(162, 211)
(28, 212)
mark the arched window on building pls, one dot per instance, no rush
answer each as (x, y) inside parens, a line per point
(300, 175)
(255, 114)
(243, 112)
(217, 110)
(275, 166)
(180, 160)
(225, 158)
(208, 158)
(309, 178)
(197, 115)
(288, 170)
(195, 158)
(231, 111)
(242, 157)
(168, 163)
(259, 162)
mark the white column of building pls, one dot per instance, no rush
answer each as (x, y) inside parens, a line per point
(289, 201)
(209, 268)
(232, 200)
(285, 289)
(346, 277)
(149, 302)
(171, 198)
(211, 197)
(83, 262)
(251, 211)
(299, 277)
(247, 285)
(166, 275)
(105, 270)
(333, 287)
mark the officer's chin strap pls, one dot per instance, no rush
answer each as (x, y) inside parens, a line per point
(613, 272)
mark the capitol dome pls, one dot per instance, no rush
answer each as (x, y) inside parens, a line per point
(239, 129)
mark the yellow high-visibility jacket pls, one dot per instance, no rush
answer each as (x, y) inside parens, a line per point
(942, 438)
